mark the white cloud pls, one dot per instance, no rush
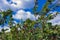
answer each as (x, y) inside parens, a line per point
(5, 27)
(16, 4)
(21, 14)
(56, 20)
(8, 28)
(54, 13)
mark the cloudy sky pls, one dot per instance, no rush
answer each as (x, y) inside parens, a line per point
(20, 7)
(16, 4)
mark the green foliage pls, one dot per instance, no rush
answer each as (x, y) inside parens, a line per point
(27, 31)
(4, 15)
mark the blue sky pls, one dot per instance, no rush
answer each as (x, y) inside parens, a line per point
(23, 8)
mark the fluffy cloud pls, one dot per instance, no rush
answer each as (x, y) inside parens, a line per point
(16, 4)
(8, 28)
(23, 3)
(5, 27)
(21, 14)
(56, 20)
